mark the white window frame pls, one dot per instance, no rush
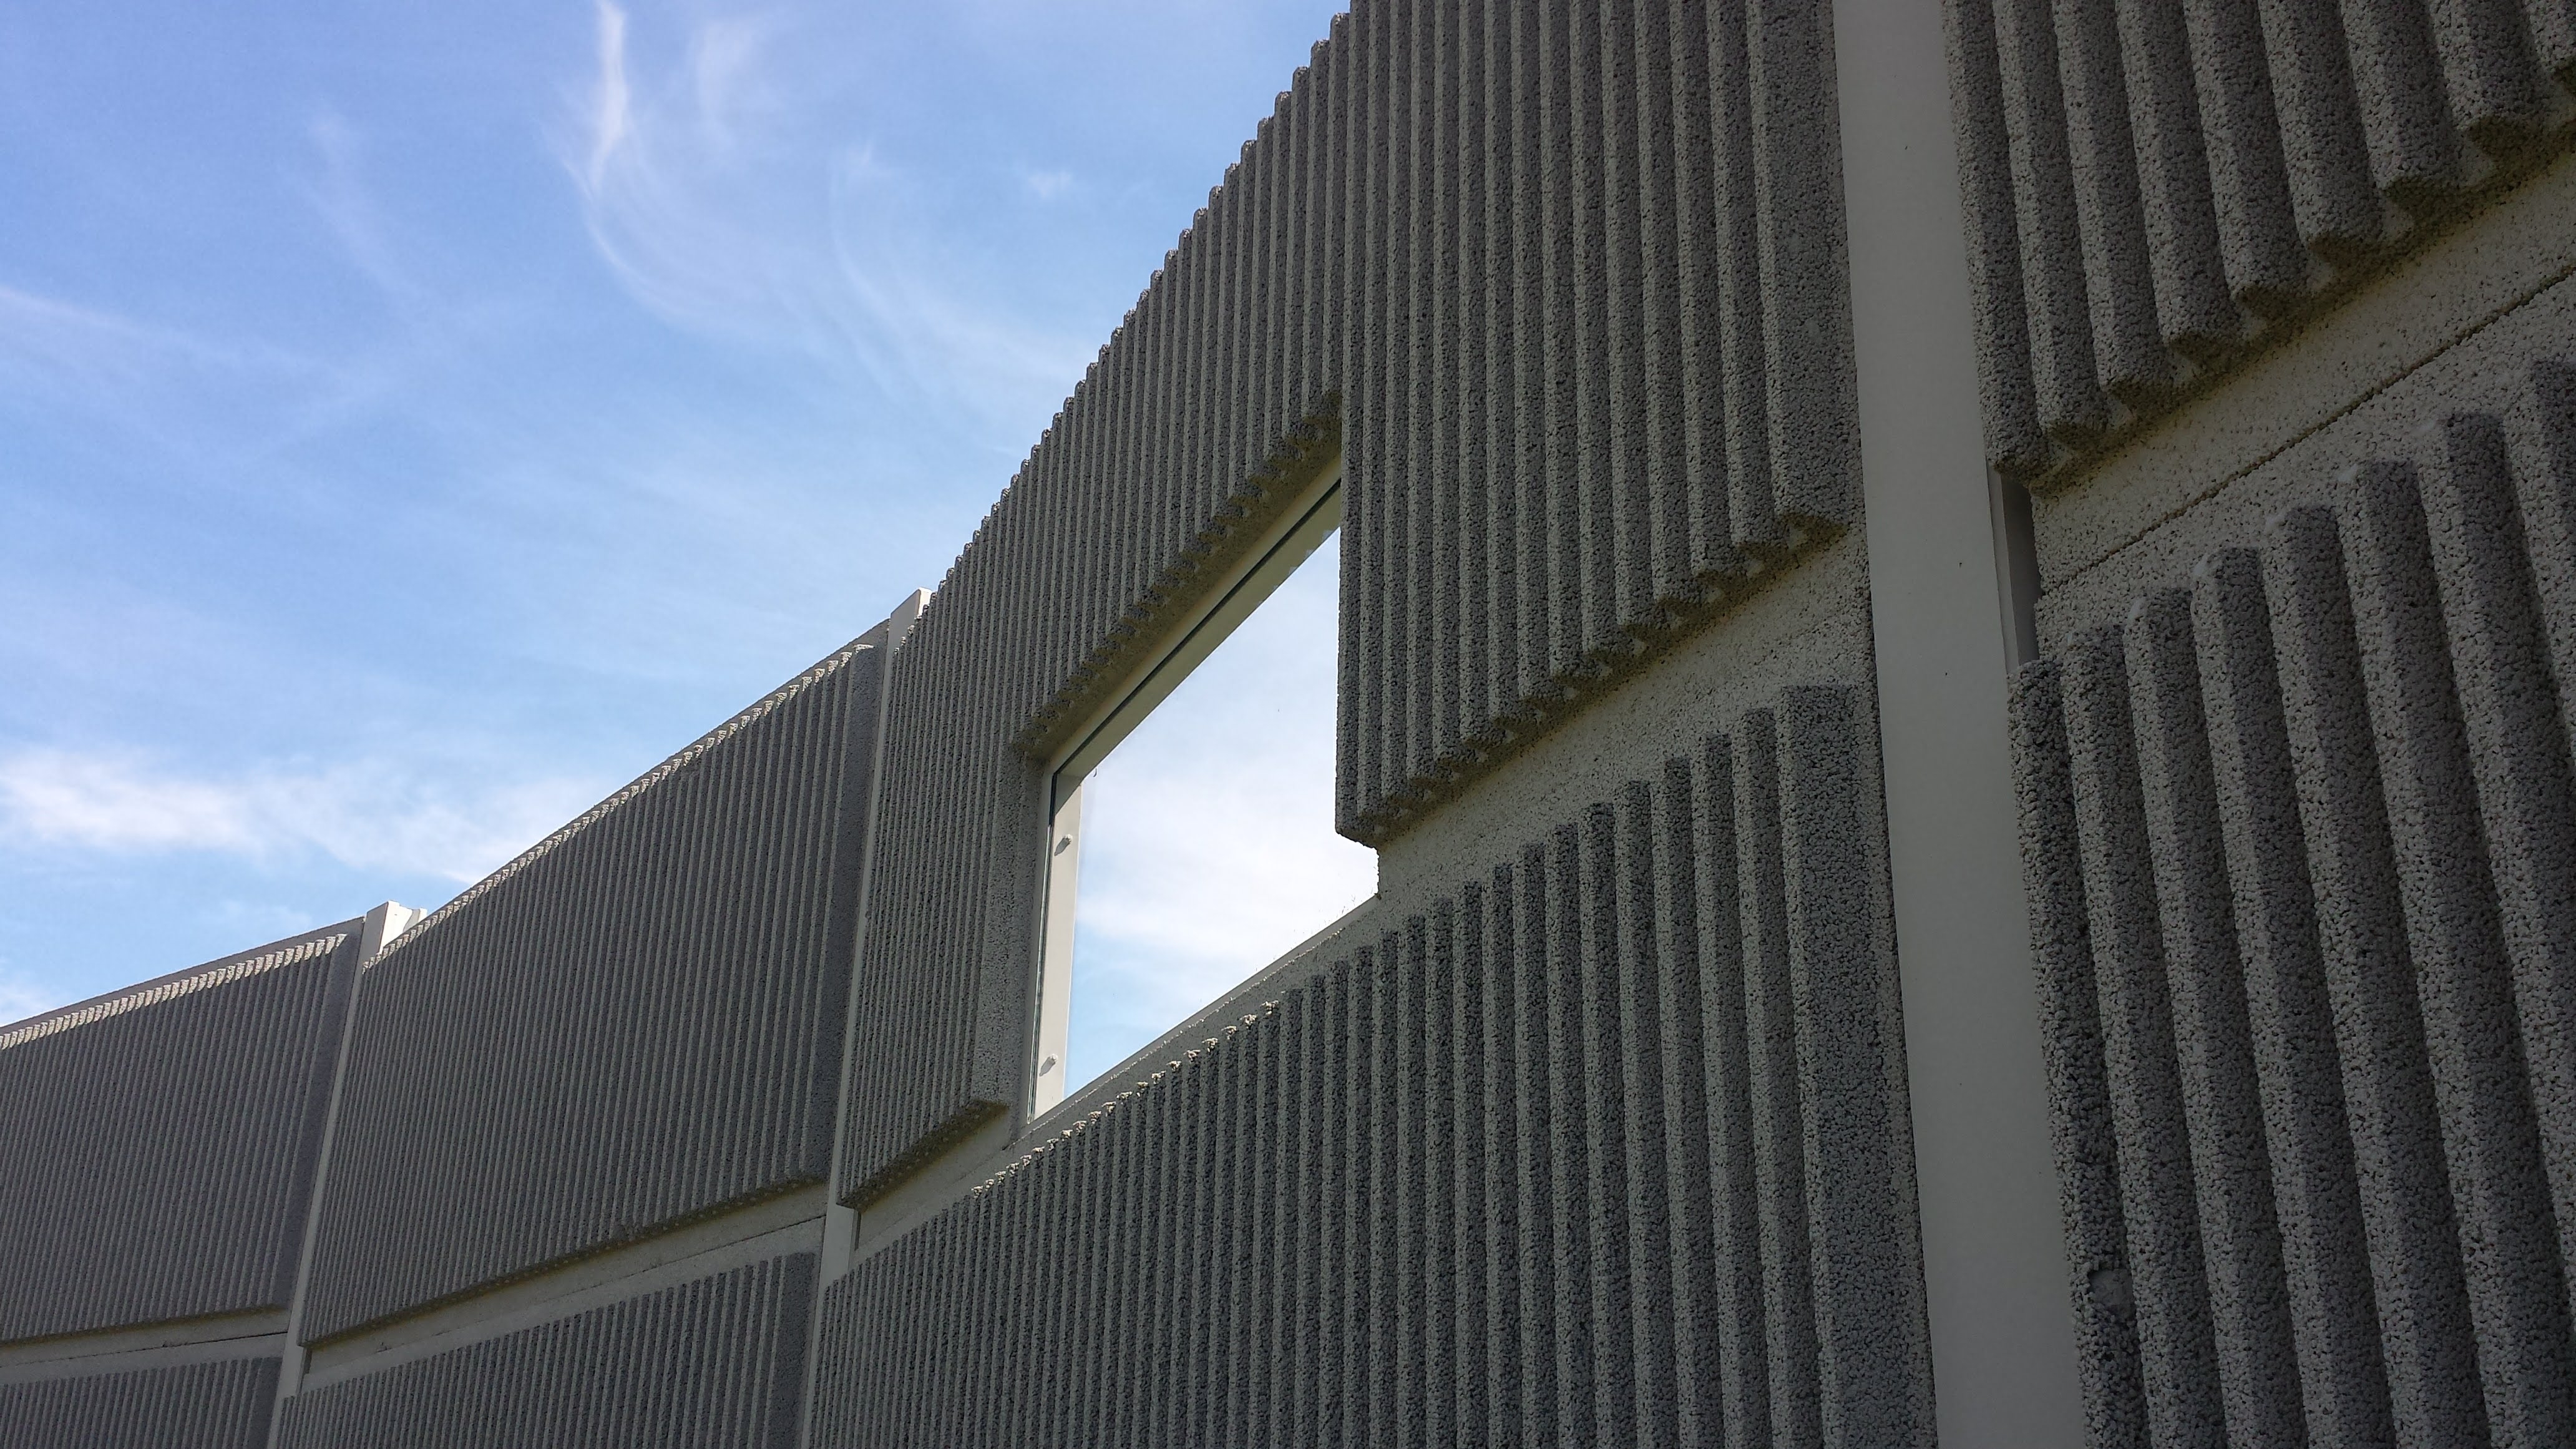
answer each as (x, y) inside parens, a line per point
(1283, 547)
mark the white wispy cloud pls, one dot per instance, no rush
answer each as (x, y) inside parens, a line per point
(717, 199)
(673, 184)
(610, 100)
(1191, 884)
(1222, 872)
(365, 815)
(65, 346)
(47, 335)
(24, 996)
(340, 196)
(230, 399)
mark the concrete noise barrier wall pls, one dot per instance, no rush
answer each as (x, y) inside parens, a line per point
(2301, 834)
(157, 1145)
(717, 1363)
(2156, 190)
(1956, 639)
(1608, 1146)
(1565, 284)
(637, 1022)
(221, 1405)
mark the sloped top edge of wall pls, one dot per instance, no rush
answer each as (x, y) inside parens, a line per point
(179, 983)
(750, 714)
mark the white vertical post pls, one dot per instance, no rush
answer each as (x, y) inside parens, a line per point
(1055, 969)
(375, 930)
(1942, 585)
(840, 1223)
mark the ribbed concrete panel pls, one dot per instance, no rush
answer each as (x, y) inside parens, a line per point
(156, 1145)
(2297, 834)
(191, 1406)
(638, 1021)
(717, 1363)
(1562, 285)
(2155, 190)
(1607, 1147)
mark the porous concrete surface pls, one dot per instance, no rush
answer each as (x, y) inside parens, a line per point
(2311, 798)
(2487, 370)
(1607, 1145)
(1811, 626)
(1566, 282)
(1599, 1123)
(637, 1022)
(157, 1144)
(2414, 313)
(2081, 1128)
(2158, 192)
(771, 1228)
(199, 1406)
(716, 1363)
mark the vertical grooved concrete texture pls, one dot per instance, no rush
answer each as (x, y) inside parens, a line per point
(1955, 635)
(1605, 962)
(199, 1406)
(2154, 192)
(718, 1363)
(1492, 576)
(2294, 833)
(637, 1022)
(157, 1145)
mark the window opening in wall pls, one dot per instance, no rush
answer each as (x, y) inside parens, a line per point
(1193, 840)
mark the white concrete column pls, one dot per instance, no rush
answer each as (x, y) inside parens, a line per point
(1941, 579)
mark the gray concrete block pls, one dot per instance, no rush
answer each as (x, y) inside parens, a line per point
(2499, 1191)
(1596, 1127)
(2316, 1188)
(2082, 1131)
(2416, 1278)
(2204, 977)
(1502, 242)
(2177, 1357)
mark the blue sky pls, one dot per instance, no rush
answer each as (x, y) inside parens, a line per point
(1201, 861)
(416, 420)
